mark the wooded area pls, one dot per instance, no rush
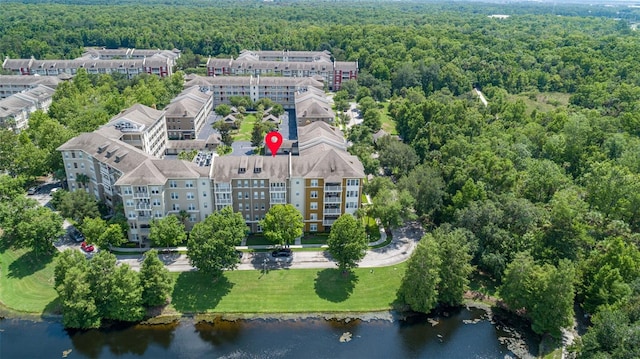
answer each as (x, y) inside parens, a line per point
(548, 172)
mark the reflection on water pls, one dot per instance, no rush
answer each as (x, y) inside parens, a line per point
(415, 337)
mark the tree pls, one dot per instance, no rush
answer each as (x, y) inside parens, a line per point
(257, 134)
(419, 287)
(100, 276)
(398, 158)
(282, 224)
(167, 231)
(347, 242)
(40, 229)
(211, 245)
(392, 207)
(78, 305)
(111, 237)
(544, 292)
(426, 186)
(77, 205)
(10, 187)
(222, 110)
(277, 110)
(69, 258)
(93, 228)
(125, 297)
(454, 251)
(225, 132)
(155, 280)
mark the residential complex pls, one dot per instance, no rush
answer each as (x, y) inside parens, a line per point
(124, 161)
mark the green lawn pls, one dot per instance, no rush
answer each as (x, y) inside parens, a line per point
(314, 239)
(26, 282)
(288, 291)
(244, 133)
(541, 101)
(388, 124)
(257, 240)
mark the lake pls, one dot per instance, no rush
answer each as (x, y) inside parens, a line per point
(463, 334)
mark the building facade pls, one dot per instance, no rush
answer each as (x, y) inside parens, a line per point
(286, 64)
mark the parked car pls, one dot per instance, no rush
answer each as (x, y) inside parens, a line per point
(76, 235)
(31, 191)
(87, 247)
(281, 252)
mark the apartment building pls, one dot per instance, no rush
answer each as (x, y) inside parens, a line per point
(280, 90)
(142, 127)
(286, 64)
(159, 66)
(14, 84)
(311, 106)
(187, 114)
(97, 53)
(16, 109)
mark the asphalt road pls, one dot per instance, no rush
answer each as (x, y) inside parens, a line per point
(403, 243)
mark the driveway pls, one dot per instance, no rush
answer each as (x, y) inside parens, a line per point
(404, 242)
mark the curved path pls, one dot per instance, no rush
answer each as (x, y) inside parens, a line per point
(404, 242)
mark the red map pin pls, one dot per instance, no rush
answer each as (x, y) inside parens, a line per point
(273, 140)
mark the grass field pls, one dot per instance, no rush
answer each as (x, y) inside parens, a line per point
(388, 124)
(26, 281)
(244, 133)
(288, 291)
(542, 102)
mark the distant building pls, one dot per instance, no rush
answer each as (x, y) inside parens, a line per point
(14, 84)
(16, 109)
(187, 113)
(129, 62)
(286, 64)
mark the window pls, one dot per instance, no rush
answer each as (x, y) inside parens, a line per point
(158, 214)
(174, 195)
(75, 165)
(246, 183)
(190, 195)
(156, 202)
(351, 204)
(193, 218)
(246, 217)
(127, 190)
(204, 193)
(314, 194)
(352, 194)
(314, 183)
(155, 190)
(261, 183)
(313, 216)
(353, 182)
(132, 214)
(205, 205)
(246, 195)
(189, 184)
(173, 184)
(255, 183)
(255, 195)
(192, 207)
(313, 227)
(129, 203)
(314, 205)
(238, 183)
(176, 207)
(239, 195)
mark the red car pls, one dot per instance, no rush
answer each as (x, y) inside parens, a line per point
(86, 247)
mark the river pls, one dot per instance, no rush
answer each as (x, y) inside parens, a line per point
(464, 334)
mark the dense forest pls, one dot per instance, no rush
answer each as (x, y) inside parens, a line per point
(542, 184)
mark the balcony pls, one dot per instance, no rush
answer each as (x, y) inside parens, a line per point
(328, 222)
(332, 200)
(278, 201)
(223, 201)
(333, 188)
(332, 211)
(141, 195)
(143, 206)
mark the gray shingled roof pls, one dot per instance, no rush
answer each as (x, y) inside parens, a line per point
(116, 154)
(227, 168)
(140, 114)
(157, 172)
(332, 165)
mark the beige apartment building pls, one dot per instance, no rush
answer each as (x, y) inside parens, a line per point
(187, 114)
(286, 64)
